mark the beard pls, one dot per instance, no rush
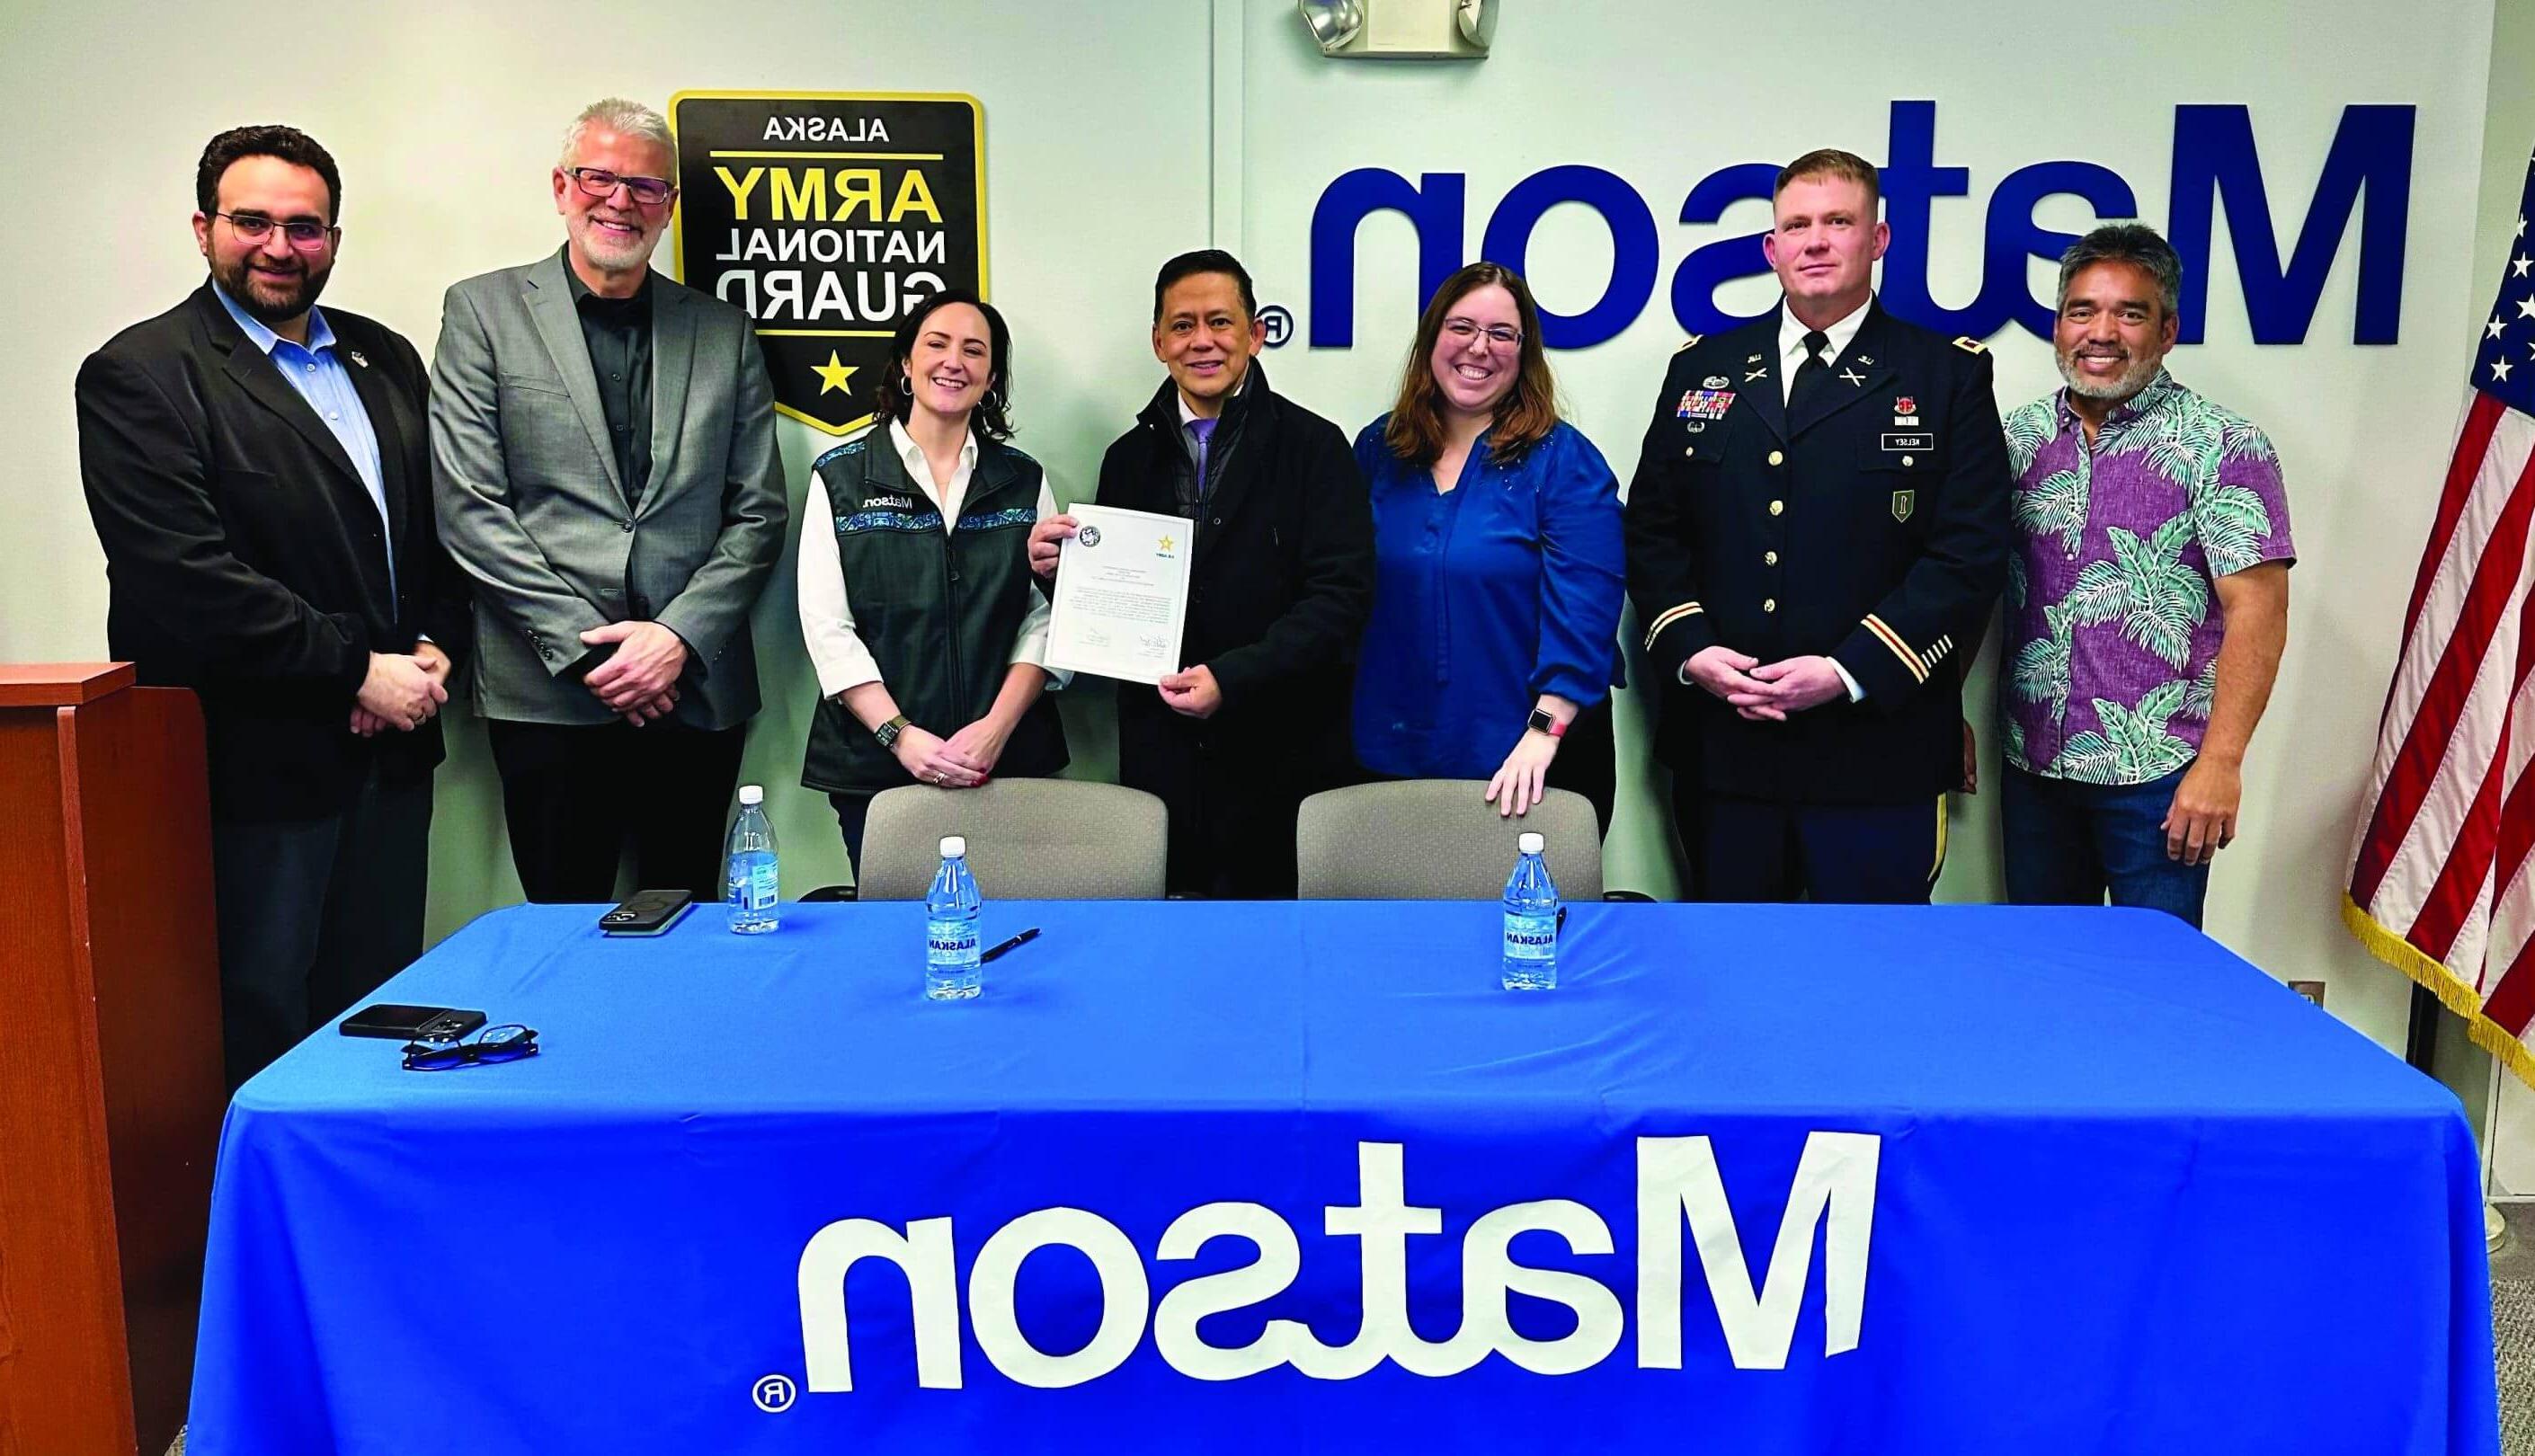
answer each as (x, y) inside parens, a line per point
(612, 254)
(2133, 378)
(270, 301)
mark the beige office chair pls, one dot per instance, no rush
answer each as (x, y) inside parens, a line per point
(1028, 839)
(1438, 839)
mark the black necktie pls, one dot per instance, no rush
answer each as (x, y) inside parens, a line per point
(1810, 373)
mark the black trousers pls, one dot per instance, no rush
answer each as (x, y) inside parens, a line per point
(853, 813)
(314, 914)
(575, 798)
(1859, 854)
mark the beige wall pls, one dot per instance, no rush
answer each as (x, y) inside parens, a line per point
(445, 128)
(1663, 99)
(1122, 130)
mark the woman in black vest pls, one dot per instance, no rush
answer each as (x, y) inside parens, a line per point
(917, 598)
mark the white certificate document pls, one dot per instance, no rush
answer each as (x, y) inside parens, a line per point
(1121, 594)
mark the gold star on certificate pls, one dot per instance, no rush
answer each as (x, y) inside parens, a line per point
(835, 374)
(1164, 543)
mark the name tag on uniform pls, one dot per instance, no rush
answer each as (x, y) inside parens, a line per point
(1897, 443)
(1704, 404)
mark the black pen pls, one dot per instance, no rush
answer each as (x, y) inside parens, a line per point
(1023, 938)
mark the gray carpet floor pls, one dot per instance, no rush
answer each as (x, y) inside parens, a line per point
(2513, 1331)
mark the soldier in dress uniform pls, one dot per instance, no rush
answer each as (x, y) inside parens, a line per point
(1817, 530)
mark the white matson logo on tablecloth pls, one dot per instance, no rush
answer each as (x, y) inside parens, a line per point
(1678, 1183)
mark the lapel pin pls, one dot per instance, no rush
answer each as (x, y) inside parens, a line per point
(355, 357)
(1863, 359)
(1853, 377)
(1755, 374)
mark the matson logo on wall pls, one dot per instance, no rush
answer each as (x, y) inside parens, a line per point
(1678, 1183)
(2368, 171)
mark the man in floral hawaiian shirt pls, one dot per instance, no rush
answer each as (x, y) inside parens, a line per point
(2146, 602)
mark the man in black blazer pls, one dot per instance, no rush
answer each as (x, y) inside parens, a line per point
(259, 474)
(1278, 590)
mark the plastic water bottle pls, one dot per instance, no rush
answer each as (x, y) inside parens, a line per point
(1530, 921)
(750, 879)
(950, 911)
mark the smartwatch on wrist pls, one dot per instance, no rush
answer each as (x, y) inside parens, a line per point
(888, 732)
(1541, 721)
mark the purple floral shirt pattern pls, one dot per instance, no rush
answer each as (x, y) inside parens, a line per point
(2111, 658)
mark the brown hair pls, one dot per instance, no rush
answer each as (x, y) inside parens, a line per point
(1831, 161)
(895, 396)
(1523, 418)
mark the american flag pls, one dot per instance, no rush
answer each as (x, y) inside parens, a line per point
(2441, 884)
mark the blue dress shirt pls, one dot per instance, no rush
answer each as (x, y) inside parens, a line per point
(317, 372)
(1486, 596)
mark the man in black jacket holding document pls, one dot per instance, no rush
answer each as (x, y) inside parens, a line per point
(1278, 590)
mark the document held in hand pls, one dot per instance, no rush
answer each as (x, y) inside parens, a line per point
(1121, 594)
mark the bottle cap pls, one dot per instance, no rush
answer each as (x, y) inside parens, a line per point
(750, 794)
(1529, 843)
(954, 847)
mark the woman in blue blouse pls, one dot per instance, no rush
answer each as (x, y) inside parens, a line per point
(1493, 645)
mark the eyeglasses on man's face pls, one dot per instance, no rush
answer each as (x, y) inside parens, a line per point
(305, 234)
(650, 191)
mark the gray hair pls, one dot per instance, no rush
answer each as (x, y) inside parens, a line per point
(2134, 243)
(625, 119)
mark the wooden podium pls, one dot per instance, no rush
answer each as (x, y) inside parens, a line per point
(110, 1084)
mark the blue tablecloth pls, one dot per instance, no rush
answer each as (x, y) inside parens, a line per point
(1753, 1179)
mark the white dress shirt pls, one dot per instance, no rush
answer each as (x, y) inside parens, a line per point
(1791, 344)
(836, 650)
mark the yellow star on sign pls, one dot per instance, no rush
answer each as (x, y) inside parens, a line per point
(1164, 543)
(835, 374)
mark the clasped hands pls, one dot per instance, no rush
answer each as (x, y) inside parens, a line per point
(638, 681)
(964, 761)
(1765, 692)
(402, 690)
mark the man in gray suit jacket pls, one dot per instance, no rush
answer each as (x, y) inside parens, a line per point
(603, 459)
